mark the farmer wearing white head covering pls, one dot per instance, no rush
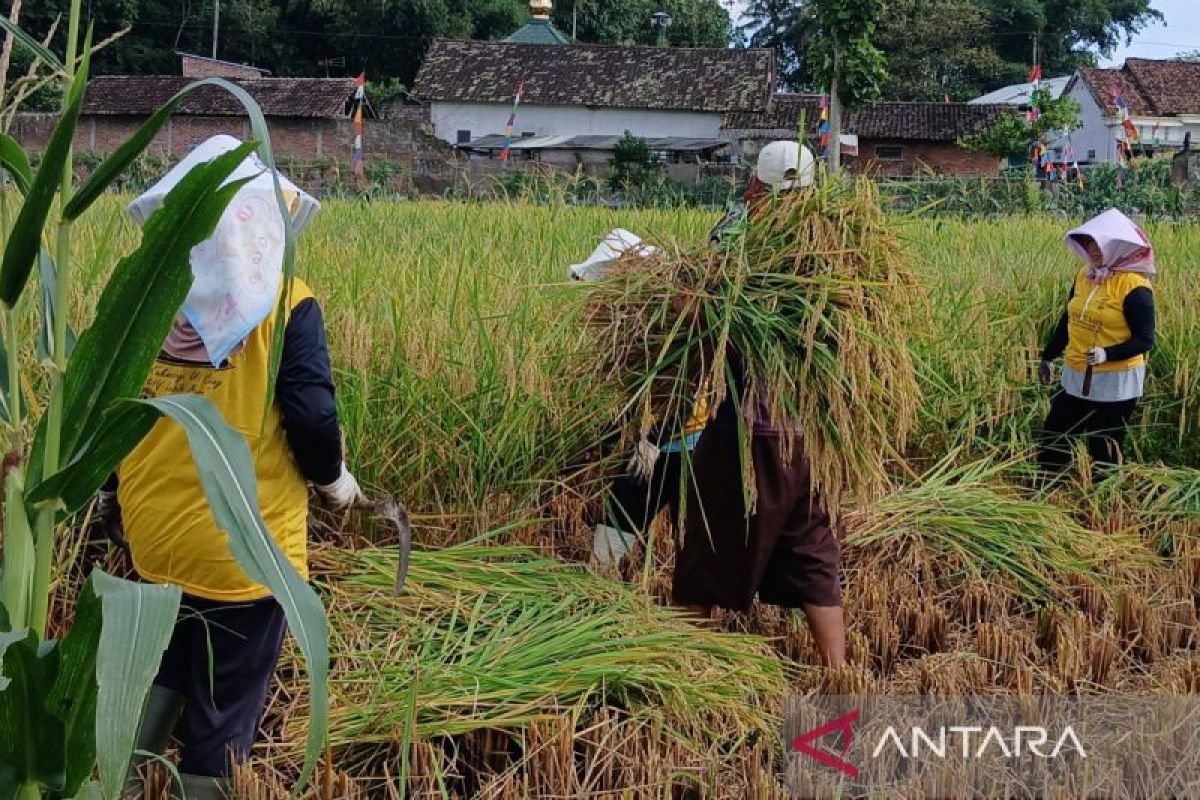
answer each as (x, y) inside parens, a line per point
(1105, 333)
(218, 666)
(781, 167)
(651, 481)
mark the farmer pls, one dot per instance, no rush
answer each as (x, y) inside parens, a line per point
(784, 550)
(1106, 331)
(651, 481)
(217, 668)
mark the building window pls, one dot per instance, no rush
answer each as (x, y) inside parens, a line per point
(1091, 155)
(889, 152)
(463, 137)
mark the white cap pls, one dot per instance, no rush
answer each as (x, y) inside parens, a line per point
(617, 243)
(785, 165)
(303, 206)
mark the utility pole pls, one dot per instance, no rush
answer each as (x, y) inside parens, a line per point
(216, 25)
(833, 150)
(574, 18)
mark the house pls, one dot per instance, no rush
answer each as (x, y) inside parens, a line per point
(1020, 95)
(894, 139)
(1161, 100)
(305, 115)
(592, 153)
(588, 90)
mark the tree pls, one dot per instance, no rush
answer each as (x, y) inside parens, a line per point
(935, 49)
(975, 45)
(694, 23)
(1012, 136)
(633, 164)
(845, 60)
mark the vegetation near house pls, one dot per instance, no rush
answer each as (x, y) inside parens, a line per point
(1013, 135)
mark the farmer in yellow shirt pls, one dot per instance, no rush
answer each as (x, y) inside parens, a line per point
(1106, 331)
(216, 671)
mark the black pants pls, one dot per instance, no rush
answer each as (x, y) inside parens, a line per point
(1070, 417)
(220, 660)
(633, 504)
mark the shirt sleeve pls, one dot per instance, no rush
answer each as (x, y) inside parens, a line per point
(1139, 314)
(1058, 340)
(305, 395)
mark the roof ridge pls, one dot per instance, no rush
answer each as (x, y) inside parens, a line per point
(606, 46)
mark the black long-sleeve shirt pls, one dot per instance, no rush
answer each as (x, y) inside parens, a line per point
(1139, 315)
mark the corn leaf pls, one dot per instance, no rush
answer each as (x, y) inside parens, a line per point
(31, 739)
(138, 619)
(40, 51)
(18, 554)
(48, 273)
(123, 425)
(115, 354)
(16, 163)
(226, 471)
(25, 239)
(73, 698)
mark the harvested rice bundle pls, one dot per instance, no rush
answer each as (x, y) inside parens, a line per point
(807, 312)
(966, 516)
(491, 637)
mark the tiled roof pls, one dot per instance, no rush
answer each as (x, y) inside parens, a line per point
(693, 79)
(538, 31)
(141, 95)
(1151, 88)
(1104, 85)
(1170, 87)
(944, 122)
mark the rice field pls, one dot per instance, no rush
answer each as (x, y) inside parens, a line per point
(509, 671)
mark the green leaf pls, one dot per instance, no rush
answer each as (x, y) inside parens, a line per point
(25, 239)
(31, 739)
(5, 401)
(115, 354)
(18, 553)
(48, 274)
(122, 427)
(16, 163)
(226, 471)
(31, 44)
(73, 698)
(138, 620)
(90, 791)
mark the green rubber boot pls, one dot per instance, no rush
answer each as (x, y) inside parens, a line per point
(201, 787)
(159, 718)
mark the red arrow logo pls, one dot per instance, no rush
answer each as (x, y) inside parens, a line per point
(845, 724)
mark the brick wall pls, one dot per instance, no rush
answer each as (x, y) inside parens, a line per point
(945, 158)
(200, 67)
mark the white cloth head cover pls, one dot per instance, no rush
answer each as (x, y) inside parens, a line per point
(785, 165)
(1124, 246)
(237, 272)
(615, 244)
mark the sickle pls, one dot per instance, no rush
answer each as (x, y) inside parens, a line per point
(394, 516)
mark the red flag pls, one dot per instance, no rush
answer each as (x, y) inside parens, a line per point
(1036, 75)
(361, 80)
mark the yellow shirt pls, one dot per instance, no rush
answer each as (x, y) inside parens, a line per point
(1096, 318)
(172, 535)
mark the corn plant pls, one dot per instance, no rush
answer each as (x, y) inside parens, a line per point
(69, 709)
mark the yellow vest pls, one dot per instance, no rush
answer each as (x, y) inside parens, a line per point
(1096, 318)
(172, 535)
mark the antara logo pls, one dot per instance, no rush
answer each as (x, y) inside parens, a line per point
(843, 724)
(975, 742)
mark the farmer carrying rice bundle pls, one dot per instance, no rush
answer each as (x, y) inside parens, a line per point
(795, 328)
(1105, 332)
(218, 666)
(651, 480)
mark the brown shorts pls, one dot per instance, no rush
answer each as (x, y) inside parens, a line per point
(786, 552)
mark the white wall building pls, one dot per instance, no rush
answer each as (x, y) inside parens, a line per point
(574, 90)
(1162, 100)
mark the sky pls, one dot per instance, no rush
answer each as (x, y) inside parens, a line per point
(1178, 33)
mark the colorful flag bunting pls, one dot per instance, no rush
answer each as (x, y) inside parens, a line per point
(512, 122)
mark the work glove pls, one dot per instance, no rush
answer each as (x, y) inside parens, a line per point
(645, 456)
(343, 493)
(106, 519)
(1096, 356)
(1046, 373)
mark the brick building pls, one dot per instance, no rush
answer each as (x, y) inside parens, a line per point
(894, 139)
(195, 66)
(309, 120)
